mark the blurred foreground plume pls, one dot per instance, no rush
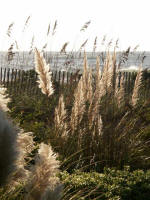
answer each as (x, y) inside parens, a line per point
(43, 174)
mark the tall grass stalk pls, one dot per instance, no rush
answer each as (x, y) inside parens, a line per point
(44, 74)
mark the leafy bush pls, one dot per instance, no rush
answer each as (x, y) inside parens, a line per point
(112, 184)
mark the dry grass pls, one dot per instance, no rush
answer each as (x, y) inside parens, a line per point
(43, 173)
(44, 74)
(120, 91)
(78, 108)
(137, 85)
(60, 117)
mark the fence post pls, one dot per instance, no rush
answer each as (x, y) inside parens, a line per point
(8, 77)
(4, 76)
(1, 75)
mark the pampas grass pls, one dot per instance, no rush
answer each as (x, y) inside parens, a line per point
(120, 91)
(87, 81)
(25, 145)
(137, 85)
(4, 100)
(78, 108)
(43, 173)
(60, 117)
(94, 105)
(44, 74)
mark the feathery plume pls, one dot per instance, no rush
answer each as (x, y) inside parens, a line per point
(85, 26)
(16, 44)
(100, 125)
(107, 83)
(44, 74)
(87, 81)
(25, 145)
(95, 44)
(53, 194)
(63, 49)
(93, 111)
(120, 91)
(4, 100)
(26, 23)
(83, 44)
(10, 29)
(44, 47)
(31, 45)
(60, 116)
(48, 30)
(10, 53)
(106, 80)
(103, 40)
(98, 75)
(54, 28)
(137, 85)
(43, 173)
(79, 106)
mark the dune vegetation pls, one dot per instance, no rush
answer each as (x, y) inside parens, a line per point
(86, 140)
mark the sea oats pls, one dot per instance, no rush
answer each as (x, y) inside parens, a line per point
(95, 44)
(63, 49)
(83, 44)
(48, 30)
(54, 28)
(44, 74)
(10, 29)
(85, 26)
(26, 23)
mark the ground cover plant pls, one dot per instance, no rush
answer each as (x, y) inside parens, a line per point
(92, 125)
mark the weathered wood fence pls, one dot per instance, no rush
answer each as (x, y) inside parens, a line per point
(19, 80)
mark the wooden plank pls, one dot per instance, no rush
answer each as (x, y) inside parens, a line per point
(4, 78)
(63, 77)
(55, 78)
(15, 77)
(8, 73)
(18, 88)
(1, 77)
(59, 76)
(67, 77)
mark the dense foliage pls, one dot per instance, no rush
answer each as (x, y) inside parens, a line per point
(112, 184)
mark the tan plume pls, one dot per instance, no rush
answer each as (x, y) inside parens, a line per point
(44, 74)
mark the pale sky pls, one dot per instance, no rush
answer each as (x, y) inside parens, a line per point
(128, 20)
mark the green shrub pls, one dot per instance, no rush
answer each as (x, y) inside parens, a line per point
(112, 184)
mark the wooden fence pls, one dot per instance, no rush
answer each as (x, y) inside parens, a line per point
(19, 80)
